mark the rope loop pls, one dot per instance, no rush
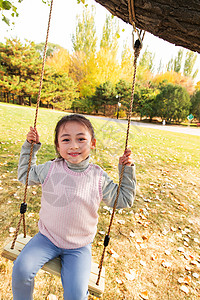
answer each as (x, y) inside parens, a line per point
(131, 9)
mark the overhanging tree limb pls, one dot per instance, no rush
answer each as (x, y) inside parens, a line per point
(176, 21)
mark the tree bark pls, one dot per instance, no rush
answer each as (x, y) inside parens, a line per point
(176, 21)
(29, 100)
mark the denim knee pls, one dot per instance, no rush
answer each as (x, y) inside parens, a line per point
(21, 274)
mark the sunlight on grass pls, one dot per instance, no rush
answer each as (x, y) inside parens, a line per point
(156, 242)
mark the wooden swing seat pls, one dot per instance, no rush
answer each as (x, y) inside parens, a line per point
(54, 266)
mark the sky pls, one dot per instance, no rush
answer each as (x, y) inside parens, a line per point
(33, 19)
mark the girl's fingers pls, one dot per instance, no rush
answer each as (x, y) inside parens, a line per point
(126, 159)
(33, 135)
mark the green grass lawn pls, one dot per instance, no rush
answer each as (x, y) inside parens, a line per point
(156, 242)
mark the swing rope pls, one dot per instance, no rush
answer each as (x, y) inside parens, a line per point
(23, 206)
(137, 48)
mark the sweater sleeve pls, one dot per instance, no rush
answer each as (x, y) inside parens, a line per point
(127, 190)
(37, 173)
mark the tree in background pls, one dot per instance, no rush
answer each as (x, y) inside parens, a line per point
(175, 64)
(144, 101)
(59, 90)
(127, 58)
(145, 68)
(51, 48)
(178, 61)
(187, 65)
(20, 76)
(85, 39)
(90, 68)
(195, 105)
(175, 78)
(105, 95)
(21, 69)
(147, 60)
(197, 87)
(123, 90)
(59, 60)
(172, 102)
(110, 34)
(78, 69)
(190, 60)
(84, 46)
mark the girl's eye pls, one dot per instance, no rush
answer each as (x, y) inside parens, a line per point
(66, 140)
(81, 139)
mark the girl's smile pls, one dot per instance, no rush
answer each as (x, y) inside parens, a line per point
(75, 142)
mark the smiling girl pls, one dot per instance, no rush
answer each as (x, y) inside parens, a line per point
(72, 189)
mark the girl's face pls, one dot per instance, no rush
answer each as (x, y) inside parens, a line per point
(75, 142)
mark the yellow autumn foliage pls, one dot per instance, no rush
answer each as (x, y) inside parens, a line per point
(60, 61)
(175, 78)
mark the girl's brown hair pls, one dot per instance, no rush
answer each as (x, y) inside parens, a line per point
(72, 118)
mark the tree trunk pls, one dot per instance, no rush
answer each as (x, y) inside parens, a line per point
(29, 100)
(21, 100)
(7, 98)
(176, 21)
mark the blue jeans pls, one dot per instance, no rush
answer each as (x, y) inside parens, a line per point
(75, 270)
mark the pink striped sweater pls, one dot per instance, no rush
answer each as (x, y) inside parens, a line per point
(69, 205)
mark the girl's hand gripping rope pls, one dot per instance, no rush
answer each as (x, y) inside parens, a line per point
(126, 159)
(33, 136)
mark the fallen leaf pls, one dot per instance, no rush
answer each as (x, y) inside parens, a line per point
(122, 222)
(137, 246)
(182, 207)
(173, 229)
(143, 246)
(165, 231)
(195, 275)
(30, 215)
(143, 263)
(167, 252)
(139, 240)
(166, 264)
(194, 262)
(143, 217)
(119, 281)
(144, 295)
(113, 253)
(186, 239)
(196, 241)
(144, 237)
(184, 288)
(131, 275)
(137, 217)
(186, 280)
(153, 257)
(132, 234)
(179, 235)
(181, 249)
(187, 256)
(155, 282)
(101, 232)
(52, 297)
